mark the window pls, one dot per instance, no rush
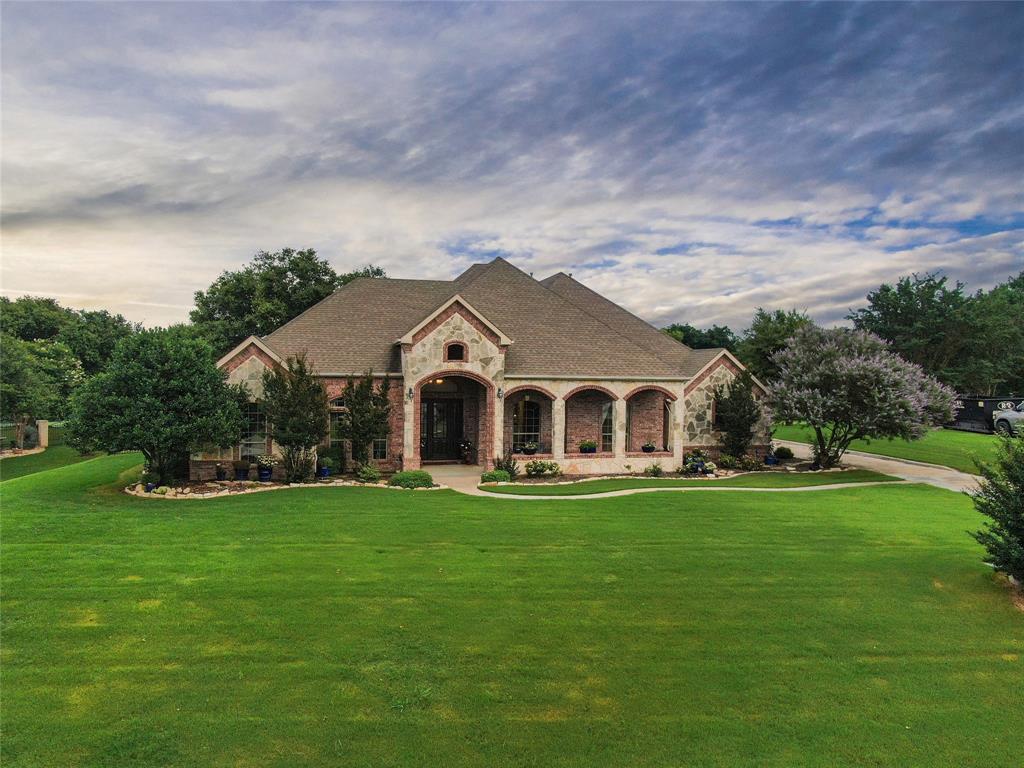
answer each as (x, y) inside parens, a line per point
(607, 429)
(254, 432)
(380, 448)
(666, 427)
(335, 433)
(525, 424)
(455, 352)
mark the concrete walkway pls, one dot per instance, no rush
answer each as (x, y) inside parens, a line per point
(913, 471)
(465, 479)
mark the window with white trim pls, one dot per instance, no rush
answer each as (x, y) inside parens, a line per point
(380, 449)
(254, 431)
(607, 428)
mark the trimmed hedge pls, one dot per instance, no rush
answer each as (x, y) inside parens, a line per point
(495, 476)
(412, 478)
(783, 453)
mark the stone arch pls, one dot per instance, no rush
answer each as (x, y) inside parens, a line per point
(594, 387)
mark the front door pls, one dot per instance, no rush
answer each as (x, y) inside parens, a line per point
(440, 430)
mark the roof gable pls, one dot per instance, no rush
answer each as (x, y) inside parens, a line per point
(457, 301)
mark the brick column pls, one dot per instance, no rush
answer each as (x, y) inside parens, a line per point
(619, 427)
(43, 431)
(558, 428)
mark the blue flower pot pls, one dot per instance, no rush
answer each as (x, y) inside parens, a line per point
(241, 474)
(150, 487)
(325, 471)
(771, 461)
(265, 474)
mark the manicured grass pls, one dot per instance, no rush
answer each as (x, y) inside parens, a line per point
(56, 455)
(947, 447)
(753, 480)
(364, 627)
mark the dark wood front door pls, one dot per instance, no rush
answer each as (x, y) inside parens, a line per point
(440, 429)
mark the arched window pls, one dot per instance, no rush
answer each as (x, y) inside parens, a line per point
(455, 352)
(336, 413)
(525, 424)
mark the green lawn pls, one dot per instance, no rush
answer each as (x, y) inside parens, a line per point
(754, 480)
(947, 447)
(56, 455)
(362, 627)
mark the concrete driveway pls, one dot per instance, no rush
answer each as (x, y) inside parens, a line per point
(914, 471)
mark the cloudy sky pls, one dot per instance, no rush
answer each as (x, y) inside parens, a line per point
(691, 161)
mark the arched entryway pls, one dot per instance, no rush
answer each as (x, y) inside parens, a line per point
(454, 414)
(527, 427)
(649, 416)
(590, 420)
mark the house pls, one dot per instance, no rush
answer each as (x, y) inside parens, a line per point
(495, 361)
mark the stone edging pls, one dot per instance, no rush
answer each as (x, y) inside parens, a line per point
(656, 479)
(26, 452)
(139, 489)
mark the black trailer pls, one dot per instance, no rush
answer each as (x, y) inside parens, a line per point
(974, 413)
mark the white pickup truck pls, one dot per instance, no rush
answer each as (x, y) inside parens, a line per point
(1009, 420)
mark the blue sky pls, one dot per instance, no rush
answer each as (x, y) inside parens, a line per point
(690, 161)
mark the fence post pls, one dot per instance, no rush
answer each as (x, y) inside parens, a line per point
(43, 428)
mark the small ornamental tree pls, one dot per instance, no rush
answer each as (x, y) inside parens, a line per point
(364, 416)
(847, 385)
(737, 414)
(295, 403)
(1000, 497)
(161, 394)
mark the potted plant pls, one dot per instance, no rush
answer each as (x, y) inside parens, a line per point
(150, 480)
(241, 469)
(529, 448)
(466, 450)
(326, 465)
(588, 446)
(222, 471)
(647, 447)
(265, 467)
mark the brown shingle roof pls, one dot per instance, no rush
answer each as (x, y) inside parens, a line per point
(684, 360)
(558, 326)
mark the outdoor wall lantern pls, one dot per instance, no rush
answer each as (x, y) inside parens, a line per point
(409, 394)
(501, 393)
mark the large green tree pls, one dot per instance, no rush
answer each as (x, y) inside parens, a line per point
(33, 317)
(92, 336)
(703, 338)
(848, 385)
(364, 416)
(27, 390)
(161, 394)
(265, 294)
(295, 403)
(768, 333)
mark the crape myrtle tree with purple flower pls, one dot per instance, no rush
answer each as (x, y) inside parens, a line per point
(848, 385)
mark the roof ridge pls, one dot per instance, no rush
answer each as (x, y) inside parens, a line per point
(613, 329)
(583, 308)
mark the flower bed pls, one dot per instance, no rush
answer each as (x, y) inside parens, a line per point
(221, 488)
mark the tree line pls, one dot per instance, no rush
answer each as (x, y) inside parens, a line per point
(972, 342)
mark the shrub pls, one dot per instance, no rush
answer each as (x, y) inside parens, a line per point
(782, 453)
(367, 473)
(751, 464)
(266, 462)
(326, 462)
(495, 476)
(725, 461)
(655, 470)
(541, 468)
(1000, 497)
(412, 478)
(710, 466)
(649, 446)
(588, 445)
(150, 477)
(507, 464)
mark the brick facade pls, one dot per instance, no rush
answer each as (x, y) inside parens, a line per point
(646, 420)
(583, 418)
